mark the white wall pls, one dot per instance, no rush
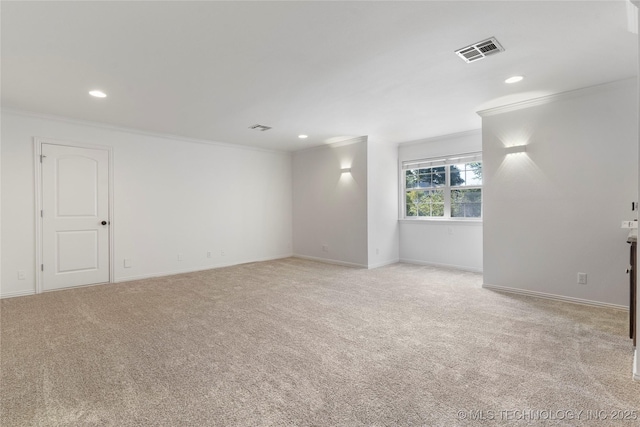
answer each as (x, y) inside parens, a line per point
(170, 196)
(449, 243)
(555, 210)
(0, 206)
(382, 200)
(330, 208)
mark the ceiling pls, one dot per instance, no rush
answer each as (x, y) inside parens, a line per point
(209, 70)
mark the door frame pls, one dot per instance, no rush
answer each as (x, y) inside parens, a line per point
(37, 149)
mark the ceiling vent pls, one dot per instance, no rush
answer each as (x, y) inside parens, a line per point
(479, 50)
(261, 128)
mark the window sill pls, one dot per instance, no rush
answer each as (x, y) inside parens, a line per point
(440, 221)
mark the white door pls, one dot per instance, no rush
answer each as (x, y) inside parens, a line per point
(75, 216)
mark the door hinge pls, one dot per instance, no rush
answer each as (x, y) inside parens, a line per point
(41, 267)
(41, 213)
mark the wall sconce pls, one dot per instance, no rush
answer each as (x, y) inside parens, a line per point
(345, 170)
(516, 149)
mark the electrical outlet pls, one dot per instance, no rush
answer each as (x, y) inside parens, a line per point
(127, 263)
(582, 278)
(22, 275)
(325, 248)
(180, 257)
(209, 254)
(223, 252)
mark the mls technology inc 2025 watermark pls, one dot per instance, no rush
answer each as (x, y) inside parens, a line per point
(549, 415)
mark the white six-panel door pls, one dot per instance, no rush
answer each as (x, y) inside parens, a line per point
(75, 216)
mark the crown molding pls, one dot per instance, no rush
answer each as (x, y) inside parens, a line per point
(134, 131)
(348, 141)
(553, 97)
(463, 134)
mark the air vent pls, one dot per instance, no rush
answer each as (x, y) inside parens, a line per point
(261, 128)
(479, 50)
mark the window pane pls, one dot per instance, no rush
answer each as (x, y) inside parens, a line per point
(439, 176)
(474, 173)
(410, 208)
(411, 178)
(466, 174)
(466, 196)
(425, 180)
(437, 209)
(426, 177)
(466, 203)
(424, 203)
(457, 175)
(436, 202)
(413, 202)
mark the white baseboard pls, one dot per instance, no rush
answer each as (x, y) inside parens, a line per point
(347, 264)
(17, 294)
(435, 264)
(193, 270)
(330, 261)
(163, 274)
(383, 263)
(554, 297)
(151, 275)
(636, 365)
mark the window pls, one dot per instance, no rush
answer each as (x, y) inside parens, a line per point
(443, 188)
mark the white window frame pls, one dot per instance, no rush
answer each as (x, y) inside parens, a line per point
(446, 161)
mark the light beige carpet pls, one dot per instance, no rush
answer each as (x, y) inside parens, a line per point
(293, 342)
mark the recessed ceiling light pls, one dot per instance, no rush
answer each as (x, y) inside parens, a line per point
(98, 94)
(514, 79)
(303, 136)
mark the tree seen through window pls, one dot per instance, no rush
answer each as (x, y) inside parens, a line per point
(429, 192)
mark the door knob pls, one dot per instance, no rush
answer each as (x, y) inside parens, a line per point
(104, 223)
